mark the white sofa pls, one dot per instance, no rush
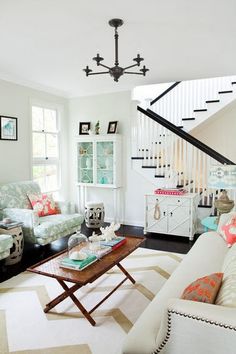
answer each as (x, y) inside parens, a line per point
(170, 325)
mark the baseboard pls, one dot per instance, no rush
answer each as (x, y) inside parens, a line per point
(125, 222)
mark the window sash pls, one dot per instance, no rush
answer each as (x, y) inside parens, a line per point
(44, 162)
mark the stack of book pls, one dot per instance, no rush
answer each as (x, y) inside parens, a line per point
(92, 255)
(170, 191)
(99, 252)
(11, 225)
(76, 264)
(115, 243)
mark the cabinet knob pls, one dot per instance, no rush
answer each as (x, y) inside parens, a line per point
(171, 213)
(164, 213)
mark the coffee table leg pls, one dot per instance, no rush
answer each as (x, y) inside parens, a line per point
(76, 302)
(61, 297)
(126, 273)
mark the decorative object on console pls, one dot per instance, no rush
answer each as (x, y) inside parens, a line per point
(112, 126)
(116, 71)
(204, 289)
(43, 204)
(170, 191)
(223, 177)
(8, 128)
(84, 128)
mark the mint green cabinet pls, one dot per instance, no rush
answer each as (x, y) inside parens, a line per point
(99, 161)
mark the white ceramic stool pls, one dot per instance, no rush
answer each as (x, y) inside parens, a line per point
(94, 214)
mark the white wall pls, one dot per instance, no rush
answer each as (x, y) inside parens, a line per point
(219, 132)
(15, 156)
(105, 108)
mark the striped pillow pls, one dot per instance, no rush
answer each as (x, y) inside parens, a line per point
(227, 293)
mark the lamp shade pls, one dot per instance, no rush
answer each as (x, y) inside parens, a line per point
(222, 177)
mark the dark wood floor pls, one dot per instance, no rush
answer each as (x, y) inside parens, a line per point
(34, 253)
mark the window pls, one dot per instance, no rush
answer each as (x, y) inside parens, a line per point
(45, 146)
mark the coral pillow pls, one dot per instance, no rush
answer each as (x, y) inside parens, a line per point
(43, 204)
(204, 289)
(228, 231)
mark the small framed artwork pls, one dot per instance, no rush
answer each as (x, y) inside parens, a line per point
(112, 126)
(84, 128)
(8, 128)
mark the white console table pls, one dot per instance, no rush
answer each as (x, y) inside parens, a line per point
(171, 214)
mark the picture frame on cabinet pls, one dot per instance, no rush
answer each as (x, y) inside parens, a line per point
(8, 128)
(84, 128)
(112, 127)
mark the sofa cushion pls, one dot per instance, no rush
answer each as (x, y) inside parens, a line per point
(56, 224)
(43, 204)
(204, 289)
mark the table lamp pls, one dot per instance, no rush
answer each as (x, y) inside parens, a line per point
(222, 177)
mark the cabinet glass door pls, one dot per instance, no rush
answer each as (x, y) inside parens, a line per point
(105, 162)
(85, 162)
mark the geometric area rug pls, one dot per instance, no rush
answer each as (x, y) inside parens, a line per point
(26, 329)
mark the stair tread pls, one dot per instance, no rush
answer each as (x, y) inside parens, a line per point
(212, 101)
(149, 166)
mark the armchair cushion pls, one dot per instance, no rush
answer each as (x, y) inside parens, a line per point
(56, 224)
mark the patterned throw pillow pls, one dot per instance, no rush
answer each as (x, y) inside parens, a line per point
(43, 204)
(228, 231)
(204, 289)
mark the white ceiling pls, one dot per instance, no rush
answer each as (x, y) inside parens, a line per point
(45, 44)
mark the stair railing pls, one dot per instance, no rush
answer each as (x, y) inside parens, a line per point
(174, 154)
(183, 98)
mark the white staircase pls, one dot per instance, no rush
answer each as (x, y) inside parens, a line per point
(167, 159)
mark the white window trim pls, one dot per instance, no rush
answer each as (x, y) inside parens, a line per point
(58, 108)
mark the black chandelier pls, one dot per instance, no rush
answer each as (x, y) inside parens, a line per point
(116, 71)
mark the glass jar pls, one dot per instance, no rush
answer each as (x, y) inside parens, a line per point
(76, 243)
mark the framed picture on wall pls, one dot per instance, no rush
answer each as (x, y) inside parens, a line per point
(8, 128)
(112, 126)
(84, 128)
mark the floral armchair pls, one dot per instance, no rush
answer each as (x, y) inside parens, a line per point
(15, 204)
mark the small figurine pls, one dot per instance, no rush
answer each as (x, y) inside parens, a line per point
(97, 127)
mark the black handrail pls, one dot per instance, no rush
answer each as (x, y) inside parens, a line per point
(165, 92)
(189, 138)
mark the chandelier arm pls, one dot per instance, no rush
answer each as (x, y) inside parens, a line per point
(131, 66)
(98, 73)
(132, 72)
(105, 66)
